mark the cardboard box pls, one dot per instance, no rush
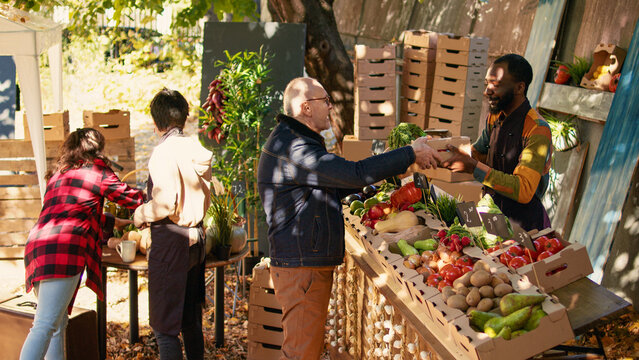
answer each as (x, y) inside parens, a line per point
(265, 334)
(56, 126)
(419, 66)
(265, 316)
(263, 297)
(473, 88)
(376, 80)
(381, 107)
(416, 53)
(420, 120)
(441, 313)
(383, 66)
(466, 58)
(455, 113)
(468, 190)
(460, 72)
(421, 38)
(374, 120)
(259, 351)
(459, 100)
(354, 149)
(375, 93)
(262, 276)
(462, 43)
(373, 133)
(417, 80)
(608, 55)
(466, 127)
(416, 93)
(444, 174)
(114, 124)
(367, 52)
(415, 106)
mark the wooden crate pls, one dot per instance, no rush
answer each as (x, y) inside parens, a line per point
(56, 126)
(114, 124)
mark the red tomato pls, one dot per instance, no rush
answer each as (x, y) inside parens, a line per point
(494, 248)
(553, 245)
(544, 255)
(517, 262)
(561, 75)
(505, 258)
(516, 250)
(434, 280)
(464, 260)
(614, 82)
(466, 269)
(452, 273)
(539, 245)
(530, 255)
(442, 284)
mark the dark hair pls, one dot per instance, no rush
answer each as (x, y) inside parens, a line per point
(518, 67)
(82, 146)
(169, 109)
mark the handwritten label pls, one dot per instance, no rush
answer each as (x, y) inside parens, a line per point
(378, 147)
(421, 182)
(495, 224)
(467, 214)
(521, 236)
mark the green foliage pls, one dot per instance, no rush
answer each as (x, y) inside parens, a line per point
(576, 69)
(244, 79)
(444, 208)
(403, 134)
(563, 130)
(222, 215)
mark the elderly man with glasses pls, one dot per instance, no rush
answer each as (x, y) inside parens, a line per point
(301, 185)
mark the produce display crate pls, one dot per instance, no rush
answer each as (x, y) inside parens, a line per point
(458, 100)
(418, 73)
(464, 58)
(455, 113)
(114, 124)
(265, 333)
(459, 50)
(417, 76)
(466, 127)
(468, 190)
(460, 72)
(56, 126)
(354, 149)
(473, 88)
(375, 92)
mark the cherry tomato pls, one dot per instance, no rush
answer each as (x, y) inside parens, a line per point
(553, 245)
(562, 76)
(517, 262)
(515, 250)
(466, 269)
(464, 260)
(544, 255)
(530, 255)
(442, 284)
(452, 274)
(434, 280)
(505, 258)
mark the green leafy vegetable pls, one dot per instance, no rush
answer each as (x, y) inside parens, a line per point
(444, 208)
(403, 134)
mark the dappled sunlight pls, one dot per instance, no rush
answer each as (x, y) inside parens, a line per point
(620, 262)
(632, 223)
(574, 299)
(612, 216)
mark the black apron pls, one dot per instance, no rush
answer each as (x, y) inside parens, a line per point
(506, 145)
(176, 273)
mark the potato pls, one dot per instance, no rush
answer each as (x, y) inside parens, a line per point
(464, 279)
(480, 278)
(473, 297)
(485, 305)
(496, 281)
(447, 292)
(502, 289)
(503, 277)
(481, 265)
(486, 291)
(457, 302)
(462, 290)
(470, 309)
(408, 264)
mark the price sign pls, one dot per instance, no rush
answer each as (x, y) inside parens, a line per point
(421, 182)
(378, 147)
(521, 236)
(495, 224)
(467, 214)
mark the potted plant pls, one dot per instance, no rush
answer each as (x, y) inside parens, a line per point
(570, 73)
(563, 130)
(220, 218)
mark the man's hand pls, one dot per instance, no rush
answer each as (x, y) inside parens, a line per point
(459, 162)
(425, 156)
(121, 223)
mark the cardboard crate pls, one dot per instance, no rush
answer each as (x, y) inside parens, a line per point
(262, 276)
(375, 93)
(604, 55)
(416, 93)
(442, 314)
(462, 43)
(444, 175)
(114, 124)
(461, 142)
(414, 106)
(421, 38)
(468, 190)
(259, 351)
(473, 88)
(460, 72)
(265, 316)
(374, 120)
(466, 58)
(354, 149)
(458, 100)
(263, 297)
(373, 132)
(375, 80)
(420, 120)
(455, 113)
(56, 126)
(367, 52)
(421, 79)
(368, 66)
(381, 107)
(416, 53)
(265, 334)
(467, 127)
(419, 66)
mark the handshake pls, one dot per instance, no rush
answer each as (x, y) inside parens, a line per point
(427, 157)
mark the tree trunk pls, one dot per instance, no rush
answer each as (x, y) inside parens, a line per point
(325, 59)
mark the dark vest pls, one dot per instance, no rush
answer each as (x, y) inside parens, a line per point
(506, 145)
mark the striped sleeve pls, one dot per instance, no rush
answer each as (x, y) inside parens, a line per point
(533, 161)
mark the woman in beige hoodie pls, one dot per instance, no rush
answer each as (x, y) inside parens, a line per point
(179, 195)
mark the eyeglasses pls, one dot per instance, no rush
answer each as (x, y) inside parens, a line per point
(326, 99)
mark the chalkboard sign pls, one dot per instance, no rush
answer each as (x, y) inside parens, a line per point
(421, 182)
(378, 147)
(467, 214)
(521, 236)
(495, 224)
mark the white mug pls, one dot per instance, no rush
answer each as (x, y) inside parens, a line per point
(127, 249)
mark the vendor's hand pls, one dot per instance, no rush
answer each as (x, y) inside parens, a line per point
(121, 223)
(459, 162)
(425, 156)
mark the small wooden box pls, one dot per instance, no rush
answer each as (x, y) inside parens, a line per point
(56, 126)
(114, 124)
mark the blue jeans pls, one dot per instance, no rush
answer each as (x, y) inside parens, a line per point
(47, 336)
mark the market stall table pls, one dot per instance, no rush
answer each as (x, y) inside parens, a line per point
(110, 258)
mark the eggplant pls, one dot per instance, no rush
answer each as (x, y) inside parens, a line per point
(350, 198)
(370, 190)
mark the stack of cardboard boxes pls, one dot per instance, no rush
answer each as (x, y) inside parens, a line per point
(265, 334)
(375, 100)
(417, 78)
(458, 84)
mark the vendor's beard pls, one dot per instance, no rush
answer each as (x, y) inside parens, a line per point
(503, 102)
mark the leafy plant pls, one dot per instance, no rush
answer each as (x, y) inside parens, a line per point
(444, 208)
(222, 216)
(403, 134)
(563, 131)
(240, 116)
(577, 69)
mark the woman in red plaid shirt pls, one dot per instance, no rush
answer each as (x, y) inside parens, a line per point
(68, 235)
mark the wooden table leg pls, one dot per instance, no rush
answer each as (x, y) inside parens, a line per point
(133, 307)
(219, 306)
(101, 308)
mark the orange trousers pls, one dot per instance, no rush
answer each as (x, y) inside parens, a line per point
(304, 293)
